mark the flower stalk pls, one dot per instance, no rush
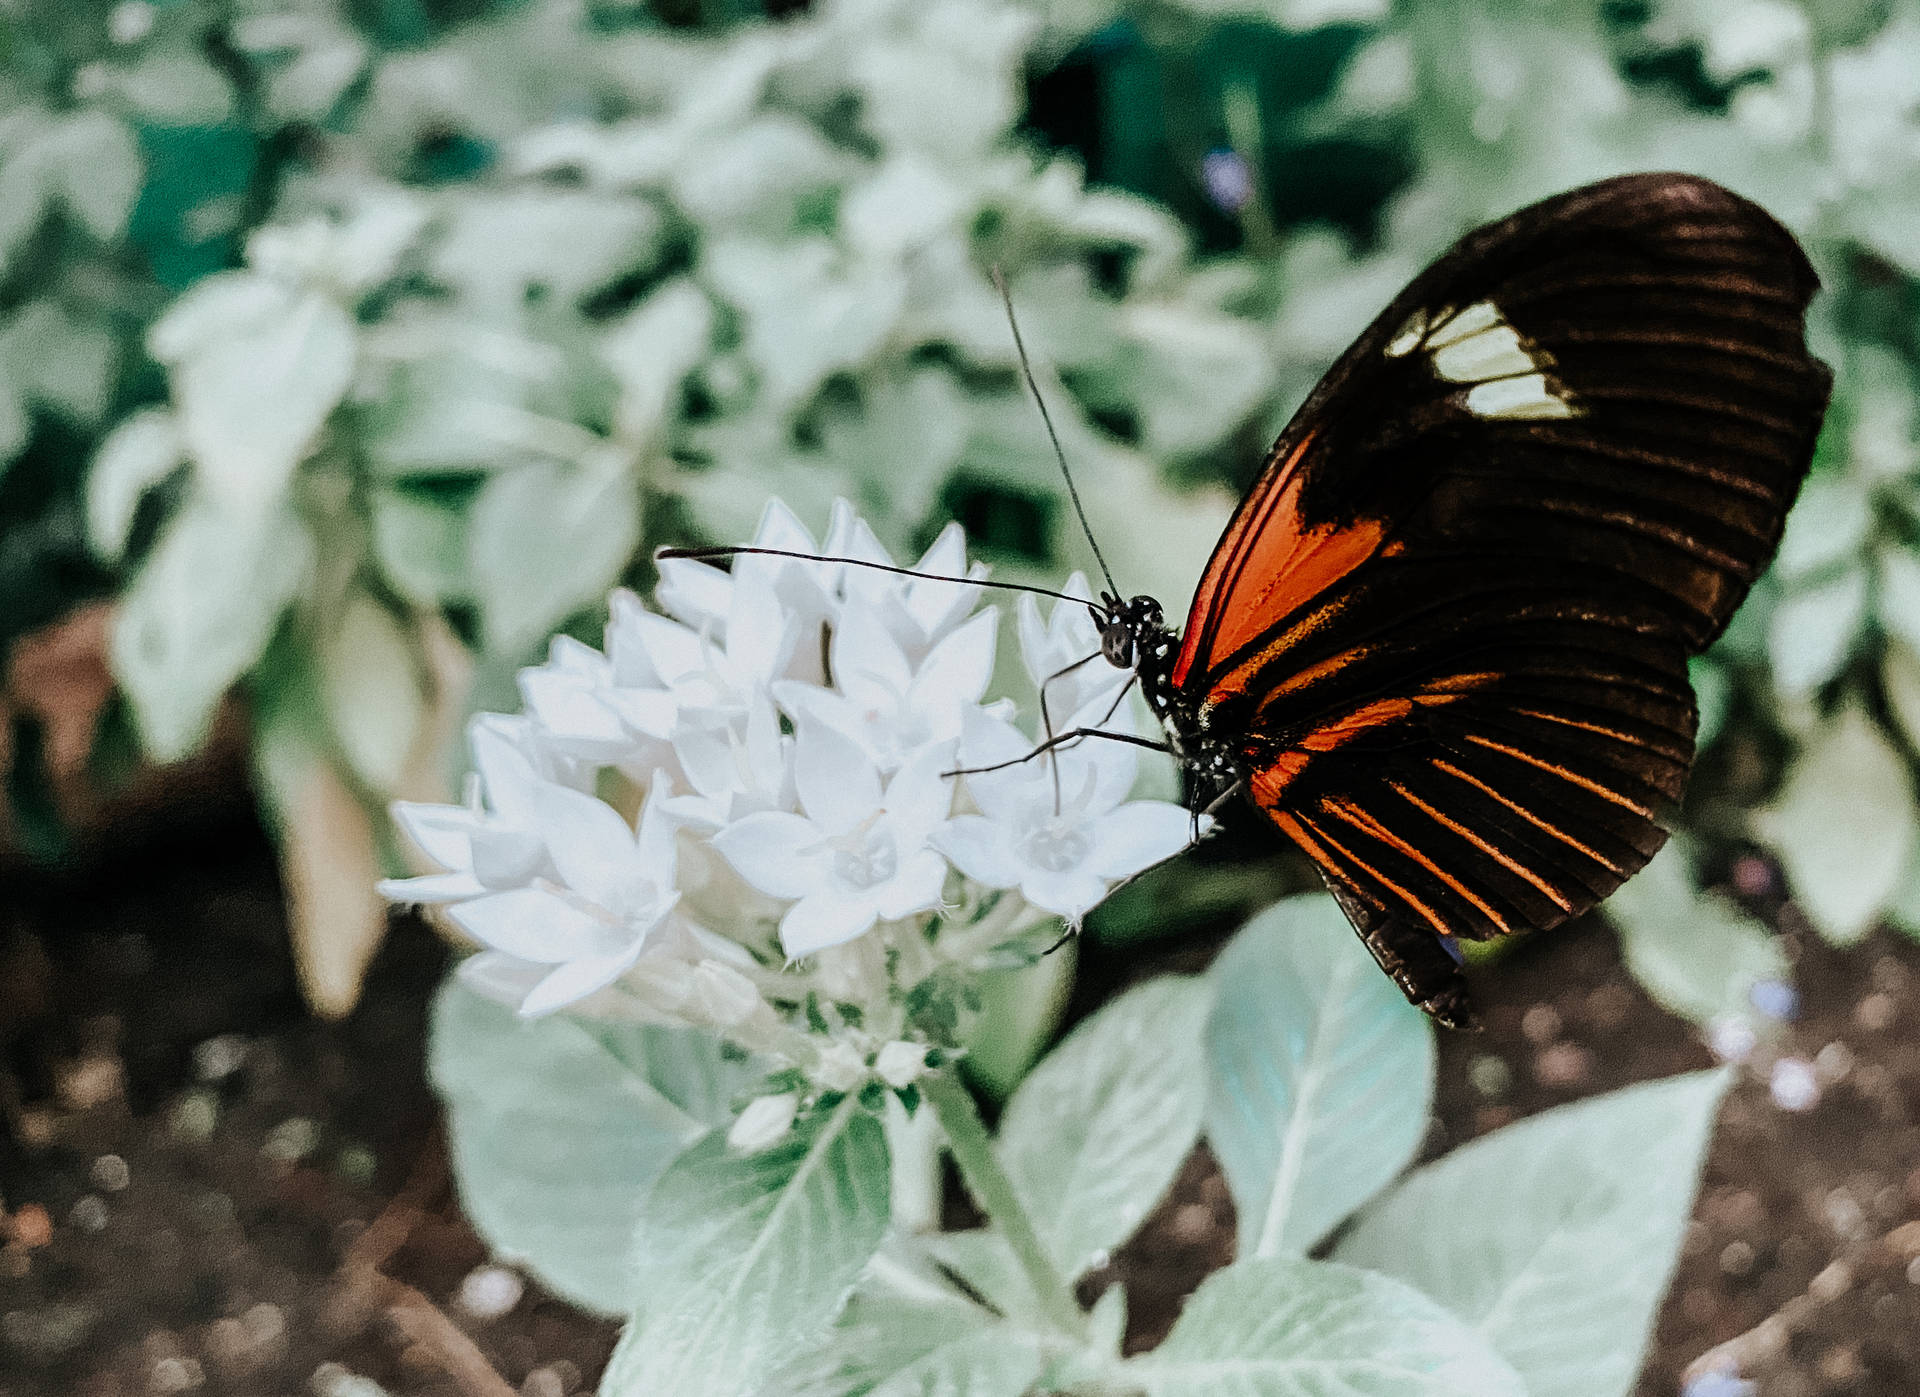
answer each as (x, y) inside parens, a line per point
(991, 1188)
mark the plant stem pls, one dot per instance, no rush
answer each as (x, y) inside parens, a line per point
(993, 1191)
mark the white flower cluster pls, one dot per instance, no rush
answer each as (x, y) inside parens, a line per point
(762, 776)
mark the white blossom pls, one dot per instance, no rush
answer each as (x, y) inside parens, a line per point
(884, 701)
(616, 885)
(764, 1123)
(1065, 649)
(1062, 841)
(857, 854)
(900, 1063)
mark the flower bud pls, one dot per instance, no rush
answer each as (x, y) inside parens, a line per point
(900, 1063)
(764, 1123)
(723, 996)
(840, 1068)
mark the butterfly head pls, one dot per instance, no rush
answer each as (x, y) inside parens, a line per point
(1127, 628)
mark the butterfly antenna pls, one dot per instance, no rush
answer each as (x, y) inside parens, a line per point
(1073, 491)
(728, 550)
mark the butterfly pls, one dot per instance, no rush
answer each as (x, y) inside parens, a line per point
(1442, 644)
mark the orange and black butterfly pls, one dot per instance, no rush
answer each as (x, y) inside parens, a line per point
(1443, 643)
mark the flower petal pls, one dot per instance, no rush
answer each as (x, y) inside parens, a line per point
(1071, 893)
(780, 854)
(838, 785)
(506, 770)
(441, 832)
(674, 651)
(915, 888)
(589, 842)
(869, 666)
(824, 919)
(985, 741)
(431, 890)
(979, 848)
(694, 594)
(918, 796)
(957, 670)
(531, 925)
(1138, 835)
(574, 981)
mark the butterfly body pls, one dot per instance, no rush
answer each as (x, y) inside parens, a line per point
(1442, 645)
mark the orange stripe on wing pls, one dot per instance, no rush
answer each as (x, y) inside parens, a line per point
(1434, 919)
(1574, 777)
(1368, 824)
(1499, 856)
(1530, 817)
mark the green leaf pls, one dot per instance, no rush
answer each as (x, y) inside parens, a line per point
(567, 242)
(1290, 1328)
(744, 1261)
(1095, 1135)
(907, 1333)
(558, 1128)
(546, 541)
(199, 614)
(93, 165)
(1320, 1075)
(1900, 680)
(1829, 524)
(1555, 1238)
(1695, 952)
(1897, 601)
(1813, 628)
(257, 368)
(137, 455)
(63, 362)
(421, 544)
(370, 676)
(809, 310)
(651, 350)
(1843, 824)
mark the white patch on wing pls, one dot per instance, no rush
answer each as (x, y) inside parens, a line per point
(1529, 396)
(1477, 346)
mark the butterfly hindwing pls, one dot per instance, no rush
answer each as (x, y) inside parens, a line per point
(1448, 628)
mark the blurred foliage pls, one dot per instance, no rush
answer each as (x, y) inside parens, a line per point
(359, 344)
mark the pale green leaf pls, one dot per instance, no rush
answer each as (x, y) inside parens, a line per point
(1812, 630)
(421, 545)
(1712, 696)
(1843, 823)
(63, 362)
(1096, 1133)
(257, 369)
(1193, 376)
(1555, 1238)
(1828, 525)
(1897, 602)
(558, 1127)
(1695, 952)
(567, 242)
(1289, 1328)
(547, 540)
(744, 1261)
(651, 350)
(199, 613)
(1900, 680)
(809, 310)
(137, 455)
(759, 177)
(93, 164)
(906, 1331)
(1320, 1075)
(371, 672)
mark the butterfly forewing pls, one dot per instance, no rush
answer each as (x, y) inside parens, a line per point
(1448, 628)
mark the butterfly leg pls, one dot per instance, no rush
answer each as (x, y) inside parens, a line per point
(1046, 717)
(1070, 735)
(1422, 965)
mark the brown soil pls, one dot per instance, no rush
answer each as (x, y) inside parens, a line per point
(208, 1191)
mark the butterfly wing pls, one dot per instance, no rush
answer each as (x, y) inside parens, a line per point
(1449, 626)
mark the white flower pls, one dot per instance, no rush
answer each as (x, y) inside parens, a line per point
(764, 1123)
(916, 611)
(701, 596)
(856, 856)
(737, 767)
(1080, 696)
(1062, 858)
(493, 841)
(882, 701)
(900, 1063)
(840, 1067)
(616, 887)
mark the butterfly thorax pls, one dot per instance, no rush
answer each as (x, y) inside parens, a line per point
(1135, 635)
